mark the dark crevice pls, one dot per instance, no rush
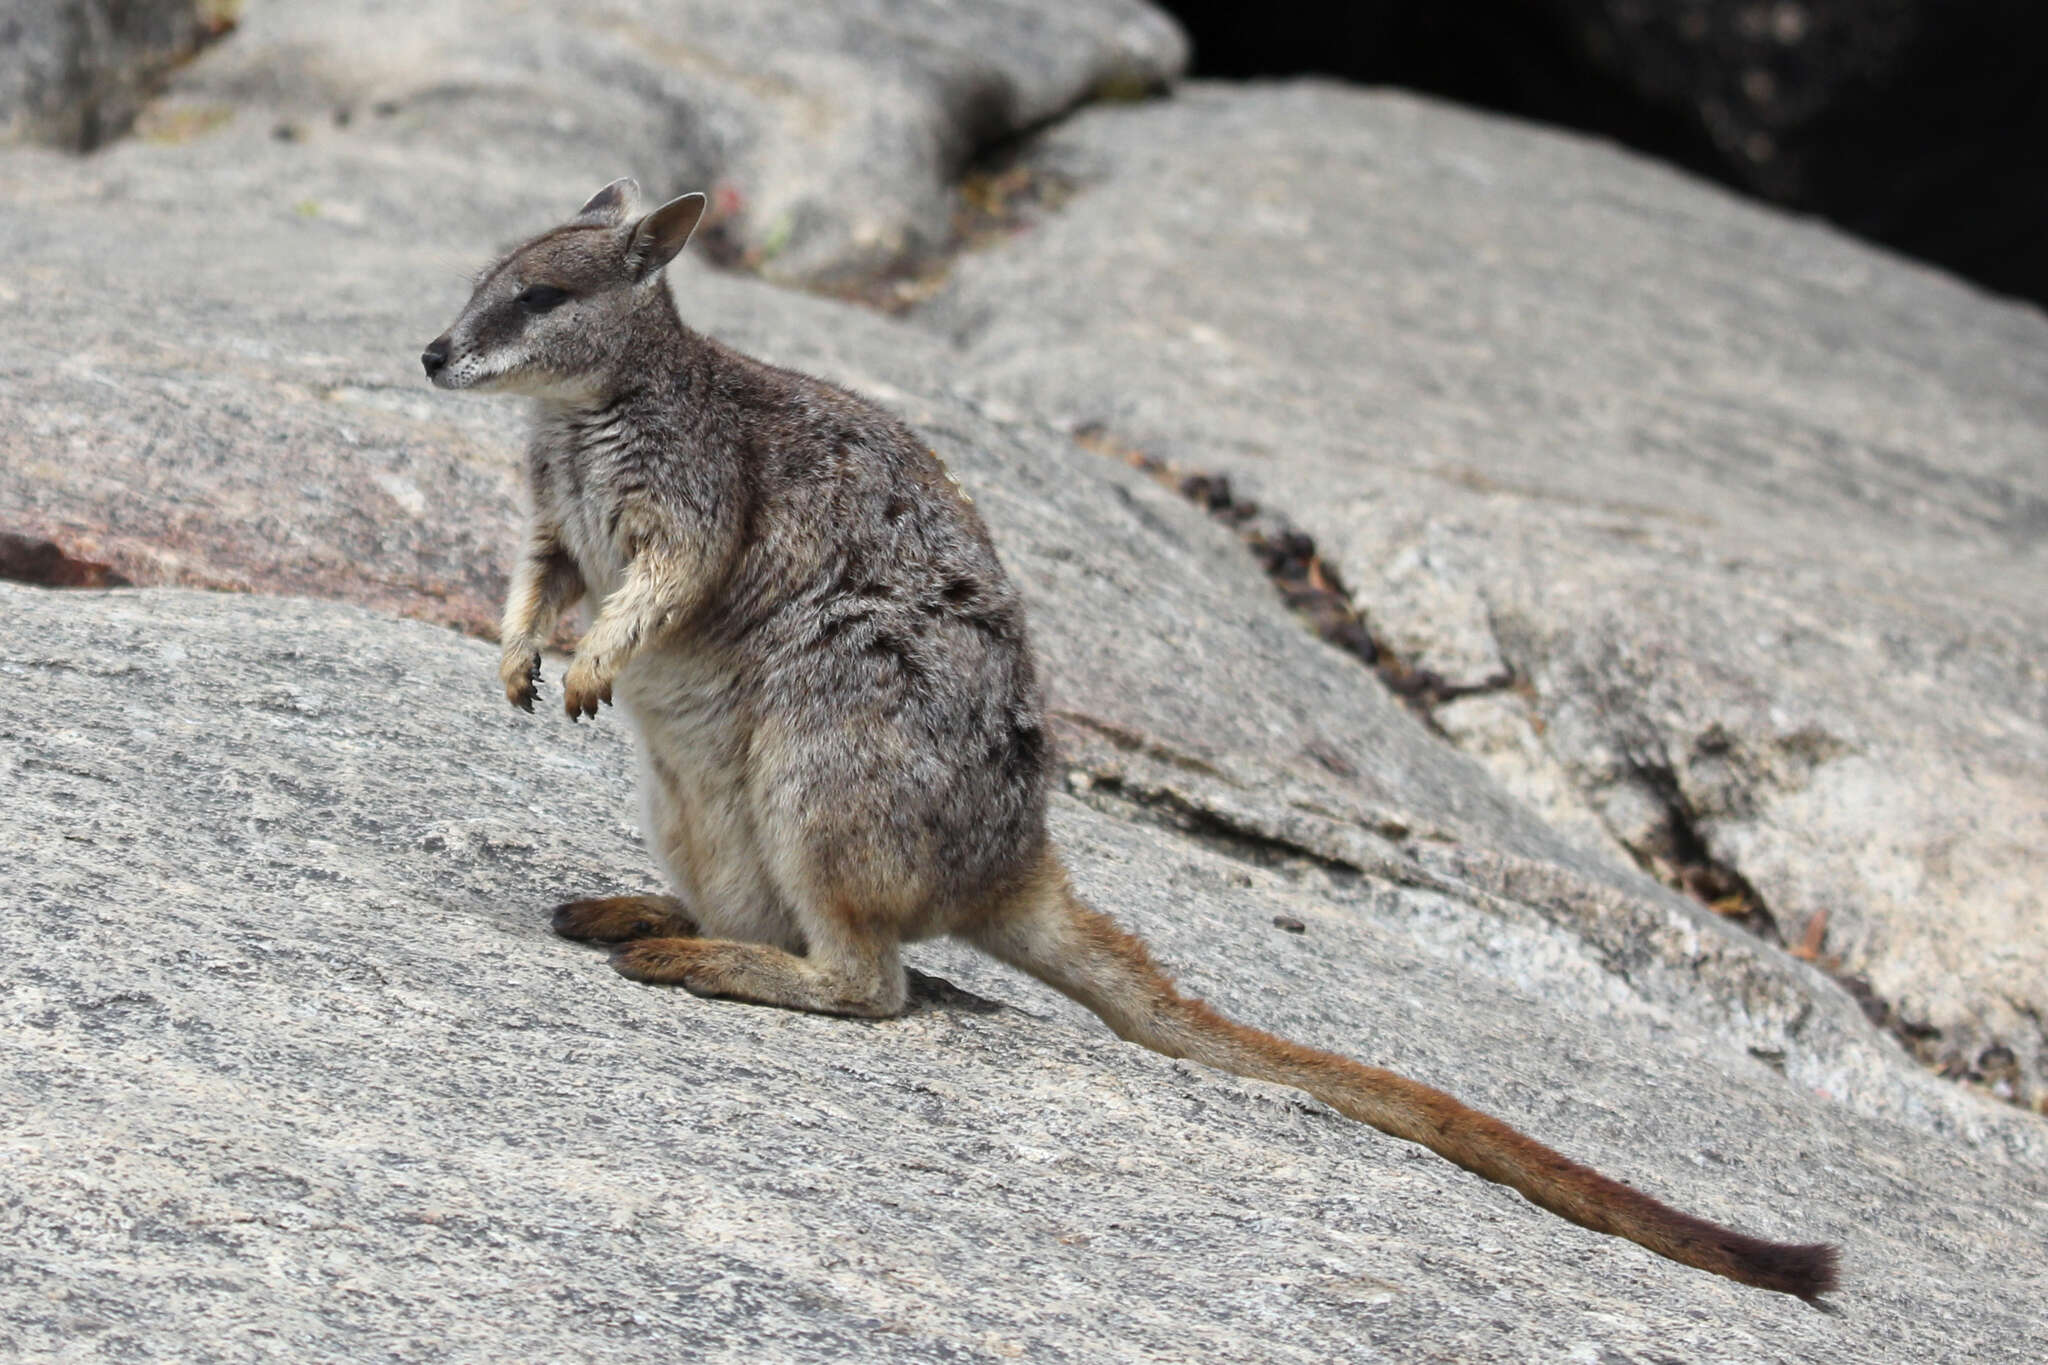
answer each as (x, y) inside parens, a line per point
(46, 564)
(1131, 742)
(1000, 192)
(1919, 1039)
(1676, 853)
(1158, 806)
(116, 59)
(1308, 583)
(1993, 1068)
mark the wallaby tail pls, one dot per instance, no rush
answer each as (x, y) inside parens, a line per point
(1052, 935)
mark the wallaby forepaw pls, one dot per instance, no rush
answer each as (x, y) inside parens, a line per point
(519, 670)
(621, 919)
(583, 688)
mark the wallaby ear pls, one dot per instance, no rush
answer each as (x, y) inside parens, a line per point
(661, 234)
(613, 204)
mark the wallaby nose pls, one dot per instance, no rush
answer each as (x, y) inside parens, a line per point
(435, 356)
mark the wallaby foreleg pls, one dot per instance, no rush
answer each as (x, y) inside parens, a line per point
(545, 583)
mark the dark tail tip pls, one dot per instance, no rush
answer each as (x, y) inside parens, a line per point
(1806, 1271)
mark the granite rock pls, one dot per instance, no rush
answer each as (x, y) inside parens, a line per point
(1913, 123)
(306, 1077)
(211, 358)
(1755, 515)
(74, 73)
(297, 1071)
(829, 135)
(236, 405)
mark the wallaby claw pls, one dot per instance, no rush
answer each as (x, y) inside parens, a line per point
(519, 670)
(583, 692)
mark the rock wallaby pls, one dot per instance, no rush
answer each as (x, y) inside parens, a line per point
(840, 736)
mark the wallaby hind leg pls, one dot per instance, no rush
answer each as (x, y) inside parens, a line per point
(619, 919)
(841, 975)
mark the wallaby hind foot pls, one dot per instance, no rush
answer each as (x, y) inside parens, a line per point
(765, 975)
(618, 919)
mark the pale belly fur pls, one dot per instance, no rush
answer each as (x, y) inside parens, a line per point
(696, 808)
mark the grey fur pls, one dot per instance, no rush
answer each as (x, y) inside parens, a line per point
(835, 697)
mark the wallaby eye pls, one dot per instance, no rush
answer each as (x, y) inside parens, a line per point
(538, 298)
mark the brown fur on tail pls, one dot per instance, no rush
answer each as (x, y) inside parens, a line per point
(1083, 954)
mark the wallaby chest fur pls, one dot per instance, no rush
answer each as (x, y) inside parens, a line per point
(840, 738)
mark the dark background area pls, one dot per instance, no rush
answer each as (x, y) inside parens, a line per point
(1919, 124)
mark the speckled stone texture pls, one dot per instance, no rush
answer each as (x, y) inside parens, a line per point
(293, 1070)
(74, 73)
(828, 134)
(297, 1072)
(210, 358)
(1755, 516)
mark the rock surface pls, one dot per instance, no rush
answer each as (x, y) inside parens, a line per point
(1757, 517)
(829, 135)
(299, 1072)
(74, 73)
(306, 1077)
(1916, 123)
(403, 499)
(235, 301)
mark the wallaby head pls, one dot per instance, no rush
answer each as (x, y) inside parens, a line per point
(547, 320)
